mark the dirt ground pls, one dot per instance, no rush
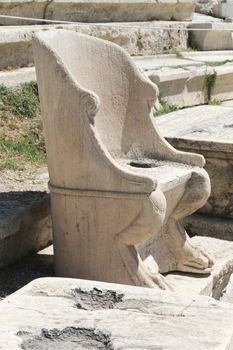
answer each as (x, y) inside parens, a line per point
(19, 180)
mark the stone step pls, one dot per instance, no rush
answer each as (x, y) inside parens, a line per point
(136, 38)
(208, 33)
(58, 313)
(93, 11)
(207, 130)
(14, 77)
(182, 78)
(211, 36)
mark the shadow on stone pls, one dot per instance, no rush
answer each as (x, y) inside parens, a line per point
(24, 271)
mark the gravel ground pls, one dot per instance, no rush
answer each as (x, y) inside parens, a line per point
(24, 180)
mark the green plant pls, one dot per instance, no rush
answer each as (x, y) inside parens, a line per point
(217, 63)
(21, 141)
(21, 101)
(215, 102)
(190, 49)
(16, 153)
(210, 82)
(165, 107)
(177, 53)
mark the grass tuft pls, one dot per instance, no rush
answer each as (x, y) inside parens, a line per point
(210, 83)
(20, 101)
(215, 102)
(165, 108)
(21, 140)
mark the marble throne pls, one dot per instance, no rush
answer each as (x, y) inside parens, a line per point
(118, 190)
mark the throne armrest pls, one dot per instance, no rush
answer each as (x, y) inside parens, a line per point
(129, 180)
(167, 151)
(155, 144)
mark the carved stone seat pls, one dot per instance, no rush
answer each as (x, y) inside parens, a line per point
(118, 189)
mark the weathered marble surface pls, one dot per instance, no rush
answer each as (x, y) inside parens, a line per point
(209, 131)
(216, 8)
(227, 295)
(212, 284)
(206, 7)
(182, 80)
(223, 9)
(54, 313)
(218, 37)
(135, 38)
(93, 11)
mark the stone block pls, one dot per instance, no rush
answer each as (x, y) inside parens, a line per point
(97, 11)
(55, 313)
(218, 37)
(182, 80)
(135, 38)
(209, 131)
(25, 224)
(223, 9)
(206, 7)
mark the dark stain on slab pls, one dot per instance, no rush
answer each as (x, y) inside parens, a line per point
(69, 338)
(96, 299)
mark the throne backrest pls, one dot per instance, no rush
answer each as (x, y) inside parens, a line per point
(108, 71)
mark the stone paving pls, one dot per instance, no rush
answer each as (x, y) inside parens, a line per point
(67, 314)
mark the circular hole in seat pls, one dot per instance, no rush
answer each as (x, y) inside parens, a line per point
(141, 165)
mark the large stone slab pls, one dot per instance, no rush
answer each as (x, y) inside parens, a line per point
(136, 38)
(207, 130)
(92, 11)
(182, 78)
(70, 314)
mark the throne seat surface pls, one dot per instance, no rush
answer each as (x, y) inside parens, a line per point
(168, 174)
